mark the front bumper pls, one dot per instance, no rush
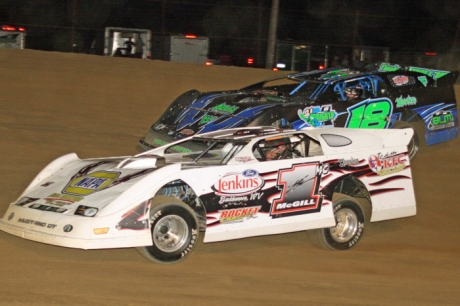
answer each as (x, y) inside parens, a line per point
(133, 239)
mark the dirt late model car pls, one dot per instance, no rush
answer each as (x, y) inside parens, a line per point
(385, 96)
(229, 184)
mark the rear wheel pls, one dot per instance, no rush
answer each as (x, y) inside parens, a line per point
(415, 143)
(174, 229)
(347, 231)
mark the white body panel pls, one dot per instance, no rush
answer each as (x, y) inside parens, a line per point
(244, 197)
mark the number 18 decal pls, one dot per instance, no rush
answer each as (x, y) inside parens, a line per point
(370, 114)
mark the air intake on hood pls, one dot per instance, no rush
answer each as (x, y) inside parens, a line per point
(142, 162)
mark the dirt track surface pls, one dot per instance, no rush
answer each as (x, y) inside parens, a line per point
(54, 103)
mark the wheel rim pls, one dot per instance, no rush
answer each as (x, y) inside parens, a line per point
(170, 233)
(346, 227)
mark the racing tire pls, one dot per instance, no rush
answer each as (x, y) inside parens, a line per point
(348, 230)
(174, 229)
(415, 143)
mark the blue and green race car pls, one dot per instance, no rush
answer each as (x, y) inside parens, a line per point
(382, 96)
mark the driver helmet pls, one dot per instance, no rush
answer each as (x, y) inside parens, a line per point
(277, 149)
(352, 92)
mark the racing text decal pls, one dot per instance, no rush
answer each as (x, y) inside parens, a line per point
(238, 184)
(90, 183)
(299, 189)
(318, 116)
(238, 214)
(385, 164)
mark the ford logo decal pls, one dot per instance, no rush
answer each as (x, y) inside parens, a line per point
(250, 172)
(68, 228)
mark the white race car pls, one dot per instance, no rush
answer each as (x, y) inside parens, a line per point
(228, 184)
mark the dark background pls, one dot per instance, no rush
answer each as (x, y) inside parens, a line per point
(241, 26)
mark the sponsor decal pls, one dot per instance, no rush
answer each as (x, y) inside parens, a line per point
(385, 164)
(224, 200)
(350, 161)
(336, 73)
(243, 159)
(25, 201)
(206, 119)
(241, 200)
(59, 199)
(47, 208)
(435, 74)
(224, 108)
(83, 184)
(386, 67)
(221, 108)
(160, 143)
(236, 120)
(90, 183)
(239, 184)
(11, 216)
(37, 223)
(441, 120)
(318, 116)
(187, 132)
(46, 184)
(67, 228)
(407, 101)
(423, 80)
(299, 189)
(238, 214)
(400, 80)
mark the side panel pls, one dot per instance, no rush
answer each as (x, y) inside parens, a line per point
(264, 198)
(189, 50)
(261, 198)
(12, 39)
(400, 96)
(387, 176)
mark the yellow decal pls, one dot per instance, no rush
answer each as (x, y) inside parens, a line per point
(88, 184)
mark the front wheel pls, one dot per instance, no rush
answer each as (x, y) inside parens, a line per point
(349, 227)
(174, 229)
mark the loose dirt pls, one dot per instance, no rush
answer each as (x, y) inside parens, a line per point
(55, 103)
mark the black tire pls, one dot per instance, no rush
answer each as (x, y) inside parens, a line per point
(174, 229)
(348, 230)
(416, 142)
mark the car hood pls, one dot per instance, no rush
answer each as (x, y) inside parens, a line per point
(87, 183)
(217, 110)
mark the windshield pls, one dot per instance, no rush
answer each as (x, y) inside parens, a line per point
(287, 87)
